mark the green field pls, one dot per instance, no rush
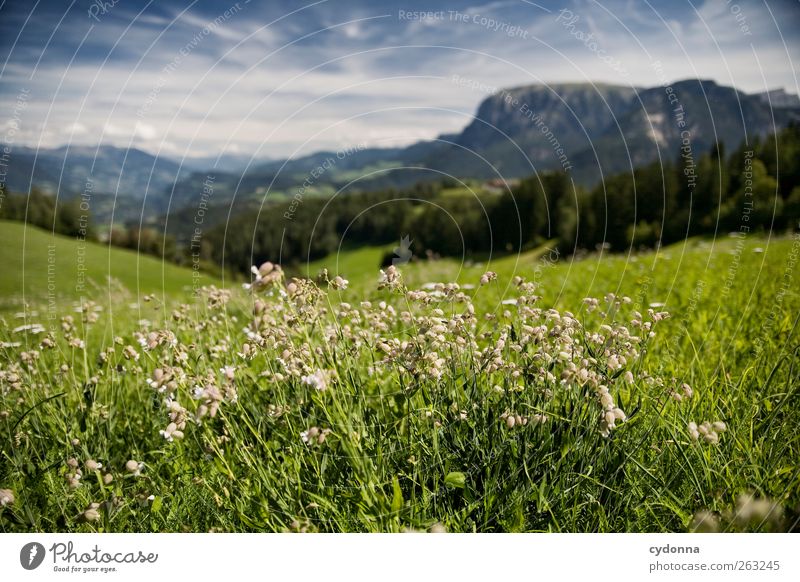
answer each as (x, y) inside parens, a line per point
(496, 407)
(36, 262)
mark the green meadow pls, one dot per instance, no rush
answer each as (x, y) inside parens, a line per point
(429, 401)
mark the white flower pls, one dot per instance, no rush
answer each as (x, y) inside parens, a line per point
(32, 328)
(6, 497)
(92, 465)
(228, 372)
(91, 513)
(171, 432)
(134, 467)
(488, 276)
(318, 380)
(339, 283)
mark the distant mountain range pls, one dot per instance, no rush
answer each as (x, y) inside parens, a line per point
(590, 130)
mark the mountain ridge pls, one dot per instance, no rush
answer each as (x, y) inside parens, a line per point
(589, 129)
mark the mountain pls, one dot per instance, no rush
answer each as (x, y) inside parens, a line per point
(104, 169)
(590, 130)
(118, 182)
(227, 162)
(519, 131)
(658, 124)
(595, 130)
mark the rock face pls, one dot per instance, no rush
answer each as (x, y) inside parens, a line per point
(609, 128)
(541, 118)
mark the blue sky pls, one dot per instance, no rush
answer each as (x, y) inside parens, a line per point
(283, 78)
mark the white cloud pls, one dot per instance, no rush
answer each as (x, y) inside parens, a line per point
(212, 98)
(75, 129)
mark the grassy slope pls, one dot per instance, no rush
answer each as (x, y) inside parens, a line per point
(728, 297)
(24, 254)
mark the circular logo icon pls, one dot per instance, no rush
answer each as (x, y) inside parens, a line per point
(31, 555)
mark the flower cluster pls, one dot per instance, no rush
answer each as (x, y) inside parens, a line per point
(707, 431)
(315, 435)
(390, 279)
(6, 497)
(220, 381)
(266, 276)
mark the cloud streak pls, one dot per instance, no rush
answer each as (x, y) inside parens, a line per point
(193, 78)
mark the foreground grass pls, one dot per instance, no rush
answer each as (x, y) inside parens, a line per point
(427, 419)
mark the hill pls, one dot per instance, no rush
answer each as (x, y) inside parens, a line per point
(34, 261)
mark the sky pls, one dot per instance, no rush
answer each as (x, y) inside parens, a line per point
(281, 79)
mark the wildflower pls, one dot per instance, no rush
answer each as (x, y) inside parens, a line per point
(685, 391)
(134, 467)
(74, 474)
(228, 371)
(34, 328)
(77, 342)
(317, 380)
(267, 275)
(130, 353)
(487, 277)
(91, 513)
(756, 512)
(211, 398)
(339, 283)
(171, 432)
(315, 435)
(6, 497)
(390, 278)
(707, 431)
(92, 465)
